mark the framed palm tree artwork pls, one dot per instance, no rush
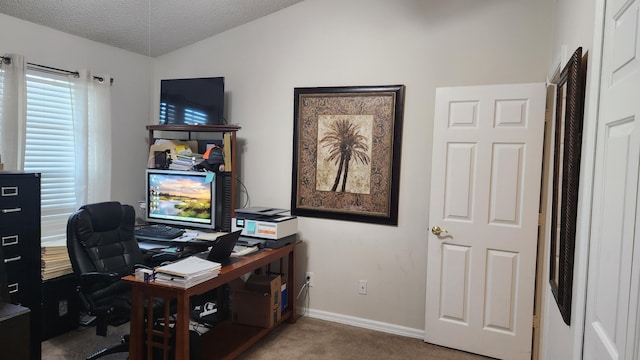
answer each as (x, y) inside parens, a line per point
(346, 153)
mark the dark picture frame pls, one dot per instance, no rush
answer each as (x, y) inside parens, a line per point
(346, 153)
(568, 117)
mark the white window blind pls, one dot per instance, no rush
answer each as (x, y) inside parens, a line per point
(50, 150)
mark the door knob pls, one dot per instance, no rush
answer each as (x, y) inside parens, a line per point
(437, 230)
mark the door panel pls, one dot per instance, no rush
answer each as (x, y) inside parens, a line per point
(501, 290)
(459, 182)
(610, 260)
(505, 184)
(455, 298)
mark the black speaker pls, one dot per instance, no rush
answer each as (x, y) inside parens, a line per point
(223, 202)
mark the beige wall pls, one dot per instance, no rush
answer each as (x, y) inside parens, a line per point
(422, 44)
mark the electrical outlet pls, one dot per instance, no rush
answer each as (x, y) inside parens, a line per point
(362, 287)
(309, 278)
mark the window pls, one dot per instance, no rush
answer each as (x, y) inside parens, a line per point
(49, 149)
(65, 135)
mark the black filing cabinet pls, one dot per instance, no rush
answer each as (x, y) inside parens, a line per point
(20, 238)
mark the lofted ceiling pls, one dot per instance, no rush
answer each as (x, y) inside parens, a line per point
(147, 27)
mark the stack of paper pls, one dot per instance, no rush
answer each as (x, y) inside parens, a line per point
(240, 250)
(209, 236)
(187, 272)
(55, 260)
(185, 160)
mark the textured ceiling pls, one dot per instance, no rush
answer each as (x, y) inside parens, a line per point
(147, 27)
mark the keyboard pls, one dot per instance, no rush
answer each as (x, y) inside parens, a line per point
(157, 232)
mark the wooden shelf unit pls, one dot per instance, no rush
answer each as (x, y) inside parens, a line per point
(190, 129)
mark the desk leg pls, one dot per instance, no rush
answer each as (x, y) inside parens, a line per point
(182, 328)
(291, 281)
(137, 320)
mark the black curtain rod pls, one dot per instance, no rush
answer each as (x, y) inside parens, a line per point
(7, 60)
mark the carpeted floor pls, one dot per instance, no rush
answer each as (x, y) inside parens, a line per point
(308, 338)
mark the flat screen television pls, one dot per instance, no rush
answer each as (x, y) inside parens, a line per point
(195, 101)
(186, 199)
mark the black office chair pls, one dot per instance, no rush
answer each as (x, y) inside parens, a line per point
(102, 249)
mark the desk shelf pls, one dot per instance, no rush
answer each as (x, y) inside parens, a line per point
(228, 339)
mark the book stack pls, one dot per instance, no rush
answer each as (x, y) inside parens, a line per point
(187, 272)
(54, 260)
(185, 161)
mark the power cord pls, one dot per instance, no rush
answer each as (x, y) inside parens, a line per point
(246, 191)
(305, 286)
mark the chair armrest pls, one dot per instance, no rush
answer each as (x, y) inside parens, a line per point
(163, 257)
(91, 278)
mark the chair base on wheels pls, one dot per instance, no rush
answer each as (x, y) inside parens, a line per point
(122, 347)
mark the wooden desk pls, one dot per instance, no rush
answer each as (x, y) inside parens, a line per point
(224, 347)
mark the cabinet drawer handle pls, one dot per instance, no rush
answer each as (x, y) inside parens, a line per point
(9, 191)
(9, 240)
(6, 211)
(15, 258)
(13, 288)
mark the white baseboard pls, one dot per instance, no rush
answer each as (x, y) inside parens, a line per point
(363, 323)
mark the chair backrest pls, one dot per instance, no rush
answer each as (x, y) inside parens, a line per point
(100, 238)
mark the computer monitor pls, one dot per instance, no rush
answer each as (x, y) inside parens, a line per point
(182, 198)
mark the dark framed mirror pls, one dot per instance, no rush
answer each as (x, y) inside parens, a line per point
(569, 109)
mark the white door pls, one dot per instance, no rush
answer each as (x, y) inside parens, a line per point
(613, 278)
(485, 186)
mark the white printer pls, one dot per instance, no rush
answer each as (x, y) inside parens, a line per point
(266, 224)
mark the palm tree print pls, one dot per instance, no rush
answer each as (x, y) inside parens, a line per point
(345, 143)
